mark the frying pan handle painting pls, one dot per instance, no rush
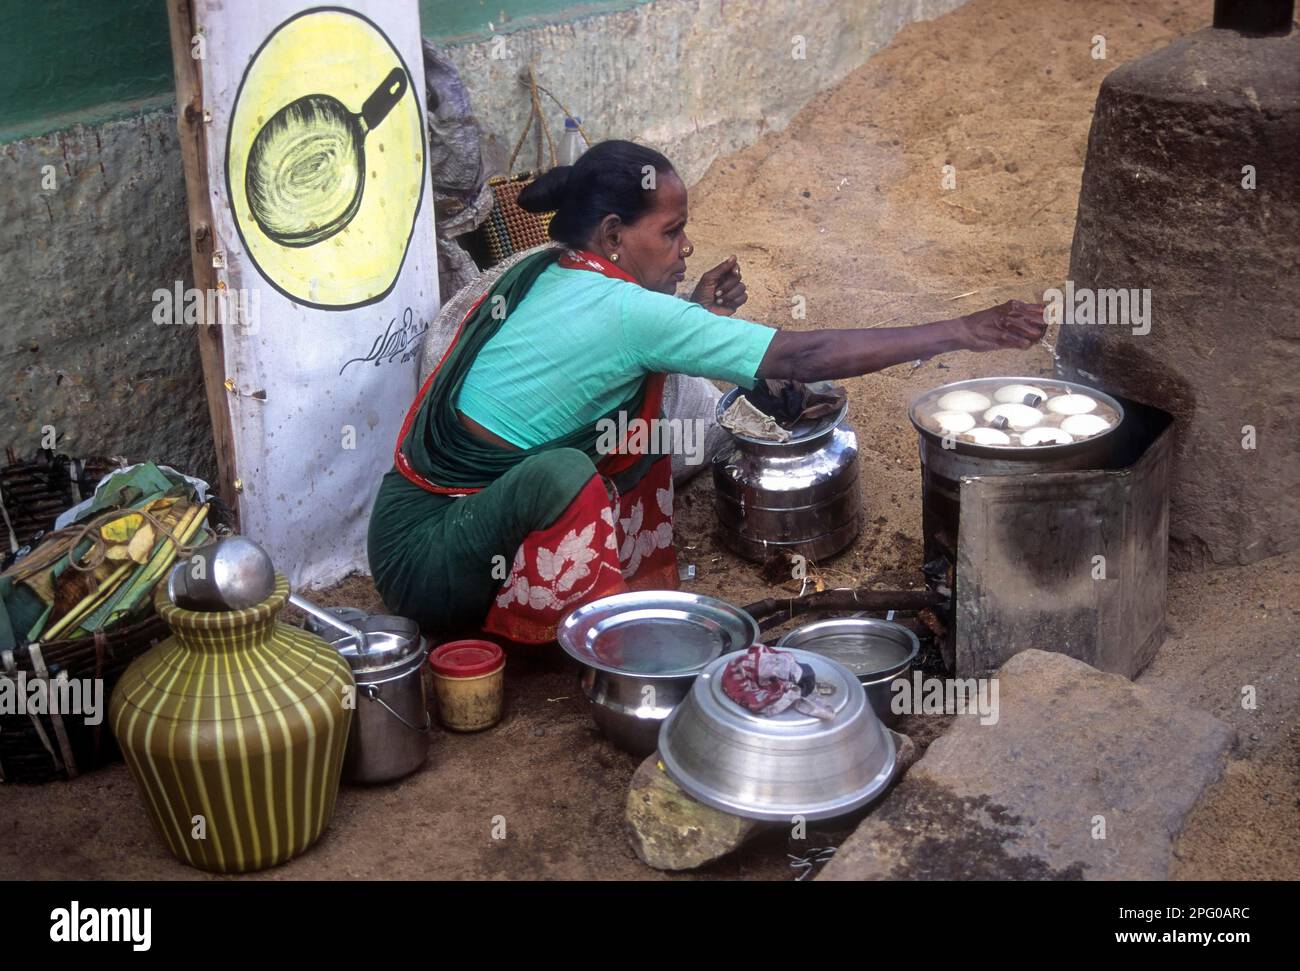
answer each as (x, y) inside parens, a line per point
(381, 102)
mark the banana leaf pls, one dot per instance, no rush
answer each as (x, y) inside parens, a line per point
(145, 482)
(139, 587)
(38, 628)
(97, 618)
(67, 623)
(22, 608)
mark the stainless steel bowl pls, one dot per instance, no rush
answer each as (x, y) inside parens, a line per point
(642, 651)
(778, 767)
(878, 652)
(230, 574)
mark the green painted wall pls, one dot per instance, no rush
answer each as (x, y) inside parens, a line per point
(66, 61)
(459, 20)
(65, 56)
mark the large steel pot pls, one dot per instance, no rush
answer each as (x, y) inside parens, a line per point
(390, 733)
(782, 766)
(641, 652)
(801, 495)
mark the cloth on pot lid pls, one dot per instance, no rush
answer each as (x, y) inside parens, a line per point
(768, 681)
(743, 418)
(791, 402)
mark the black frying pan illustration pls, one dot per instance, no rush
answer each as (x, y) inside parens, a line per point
(306, 171)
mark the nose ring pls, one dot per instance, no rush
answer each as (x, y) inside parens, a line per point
(687, 250)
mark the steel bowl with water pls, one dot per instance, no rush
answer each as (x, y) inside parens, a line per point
(877, 652)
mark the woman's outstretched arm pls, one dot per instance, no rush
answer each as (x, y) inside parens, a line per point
(830, 354)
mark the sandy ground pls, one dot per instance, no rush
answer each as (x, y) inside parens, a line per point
(845, 209)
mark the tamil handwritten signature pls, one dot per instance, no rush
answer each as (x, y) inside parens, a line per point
(395, 341)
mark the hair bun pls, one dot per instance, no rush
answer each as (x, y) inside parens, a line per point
(548, 191)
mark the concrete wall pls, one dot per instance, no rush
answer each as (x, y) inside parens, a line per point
(696, 79)
(92, 220)
(93, 217)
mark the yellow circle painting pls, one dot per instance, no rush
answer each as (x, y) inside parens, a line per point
(325, 160)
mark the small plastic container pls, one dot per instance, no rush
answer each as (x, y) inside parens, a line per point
(468, 677)
(572, 144)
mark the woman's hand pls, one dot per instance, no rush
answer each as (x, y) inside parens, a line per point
(1012, 324)
(720, 290)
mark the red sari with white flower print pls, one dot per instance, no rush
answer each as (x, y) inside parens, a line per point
(597, 548)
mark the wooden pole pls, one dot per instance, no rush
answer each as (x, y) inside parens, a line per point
(191, 126)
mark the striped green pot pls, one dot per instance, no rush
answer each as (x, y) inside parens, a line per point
(234, 730)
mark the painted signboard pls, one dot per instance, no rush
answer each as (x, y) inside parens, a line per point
(323, 223)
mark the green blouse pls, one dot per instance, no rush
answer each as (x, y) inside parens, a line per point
(580, 342)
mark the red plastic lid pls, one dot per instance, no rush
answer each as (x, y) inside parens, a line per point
(466, 659)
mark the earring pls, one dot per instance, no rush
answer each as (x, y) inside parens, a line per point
(613, 257)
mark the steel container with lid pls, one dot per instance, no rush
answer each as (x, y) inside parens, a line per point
(947, 460)
(877, 652)
(349, 615)
(390, 733)
(642, 651)
(782, 766)
(800, 496)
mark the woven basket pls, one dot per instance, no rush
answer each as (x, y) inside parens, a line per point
(49, 747)
(508, 229)
(44, 748)
(36, 491)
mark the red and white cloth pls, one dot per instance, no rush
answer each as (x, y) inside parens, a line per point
(766, 681)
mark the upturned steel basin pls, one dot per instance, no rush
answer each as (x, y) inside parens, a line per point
(779, 767)
(641, 652)
(877, 652)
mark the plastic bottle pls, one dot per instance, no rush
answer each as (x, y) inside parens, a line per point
(572, 144)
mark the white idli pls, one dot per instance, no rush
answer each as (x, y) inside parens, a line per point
(988, 436)
(1084, 426)
(1010, 393)
(1045, 436)
(963, 401)
(1018, 417)
(1071, 404)
(954, 422)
